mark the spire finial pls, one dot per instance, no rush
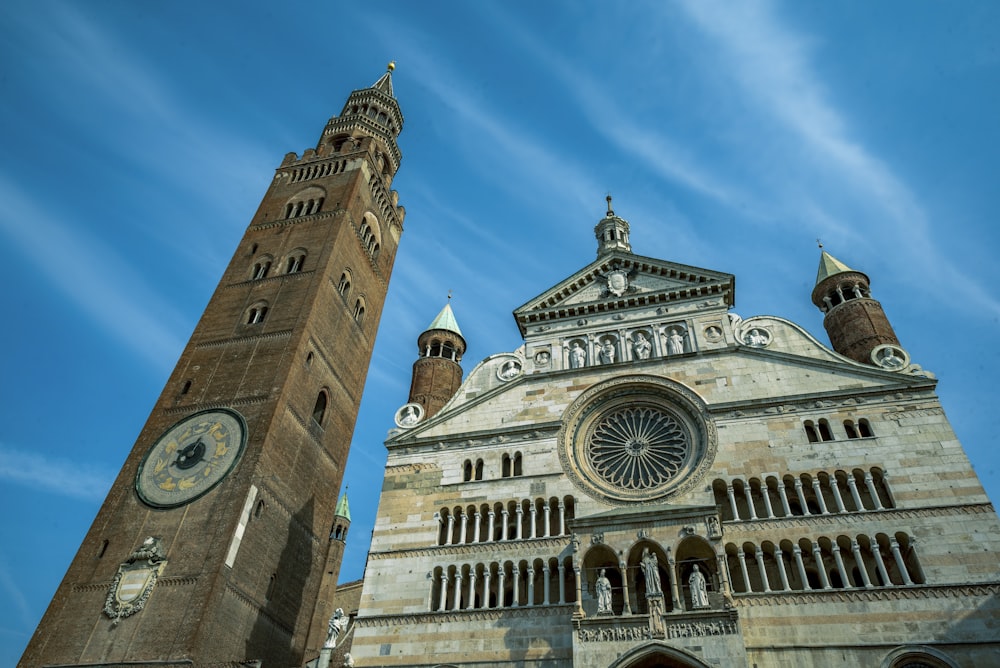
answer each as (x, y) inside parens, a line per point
(391, 66)
(449, 295)
(610, 211)
(820, 244)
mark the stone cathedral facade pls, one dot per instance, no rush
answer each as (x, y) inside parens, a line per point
(651, 480)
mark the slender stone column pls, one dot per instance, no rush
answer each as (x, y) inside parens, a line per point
(840, 566)
(548, 520)
(442, 599)
(627, 609)
(877, 553)
(724, 575)
(501, 586)
(759, 556)
(819, 496)
(870, 484)
(766, 493)
(534, 521)
(802, 497)
(675, 589)
(888, 490)
(779, 556)
(486, 589)
(505, 529)
(520, 522)
(747, 492)
(579, 592)
(797, 552)
(464, 528)
(562, 583)
(900, 563)
(562, 519)
(820, 566)
(489, 534)
(732, 501)
(838, 499)
(515, 580)
(470, 602)
(456, 591)
(783, 495)
(451, 529)
(442, 540)
(546, 599)
(529, 579)
(852, 484)
(862, 568)
(743, 567)
(479, 520)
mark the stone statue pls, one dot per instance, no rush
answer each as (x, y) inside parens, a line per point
(603, 594)
(890, 360)
(577, 356)
(348, 660)
(675, 342)
(336, 626)
(608, 352)
(757, 338)
(699, 590)
(510, 369)
(641, 346)
(651, 571)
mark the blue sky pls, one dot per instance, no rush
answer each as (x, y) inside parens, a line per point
(138, 138)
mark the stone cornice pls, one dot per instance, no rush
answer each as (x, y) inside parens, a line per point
(532, 612)
(491, 551)
(895, 593)
(471, 439)
(243, 401)
(856, 399)
(270, 279)
(235, 340)
(312, 218)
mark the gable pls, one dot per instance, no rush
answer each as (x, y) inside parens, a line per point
(619, 281)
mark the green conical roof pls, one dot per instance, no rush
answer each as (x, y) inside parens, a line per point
(446, 320)
(343, 510)
(828, 266)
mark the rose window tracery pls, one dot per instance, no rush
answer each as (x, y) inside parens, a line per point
(638, 448)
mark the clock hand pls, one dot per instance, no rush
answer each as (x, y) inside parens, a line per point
(190, 455)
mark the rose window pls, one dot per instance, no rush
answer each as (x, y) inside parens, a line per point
(638, 448)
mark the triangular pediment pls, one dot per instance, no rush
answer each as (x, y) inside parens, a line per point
(619, 281)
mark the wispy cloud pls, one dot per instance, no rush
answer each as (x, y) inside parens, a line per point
(53, 475)
(94, 277)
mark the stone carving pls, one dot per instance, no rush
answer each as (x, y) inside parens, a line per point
(607, 354)
(542, 358)
(641, 346)
(348, 660)
(757, 337)
(701, 629)
(613, 634)
(577, 356)
(597, 538)
(699, 589)
(713, 333)
(603, 587)
(714, 528)
(890, 357)
(509, 370)
(617, 282)
(135, 580)
(688, 530)
(638, 448)
(409, 415)
(656, 628)
(642, 534)
(675, 341)
(336, 626)
(651, 572)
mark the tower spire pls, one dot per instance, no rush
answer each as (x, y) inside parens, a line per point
(437, 373)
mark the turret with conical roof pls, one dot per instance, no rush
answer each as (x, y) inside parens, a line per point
(437, 373)
(855, 322)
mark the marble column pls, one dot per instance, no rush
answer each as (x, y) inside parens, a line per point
(818, 491)
(840, 566)
(860, 562)
(779, 556)
(900, 563)
(870, 484)
(820, 566)
(852, 484)
(877, 553)
(759, 556)
(732, 501)
(797, 553)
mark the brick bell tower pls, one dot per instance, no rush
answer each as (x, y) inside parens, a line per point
(437, 373)
(212, 544)
(854, 321)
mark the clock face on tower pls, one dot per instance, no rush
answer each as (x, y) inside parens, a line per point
(191, 458)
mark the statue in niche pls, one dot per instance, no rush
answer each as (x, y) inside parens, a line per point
(675, 341)
(758, 338)
(577, 356)
(603, 587)
(651, 572)
(714, 530)
(699, 589)
(641, 346)
(510, 370)
(608, 352)
(889, 359)
(336, 626)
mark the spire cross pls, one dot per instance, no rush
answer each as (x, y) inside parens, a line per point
(820, 244)
(610, 211)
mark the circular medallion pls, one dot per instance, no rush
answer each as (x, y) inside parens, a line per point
(409, 415)
(191, 458)
(636, 438)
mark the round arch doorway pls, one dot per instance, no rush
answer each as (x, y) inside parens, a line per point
(658, 655)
